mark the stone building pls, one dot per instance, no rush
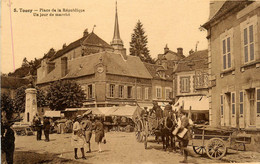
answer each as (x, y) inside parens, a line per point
(234, 61)
(191, 85)
(107, 75)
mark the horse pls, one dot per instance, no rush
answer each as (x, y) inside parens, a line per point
(168, 124)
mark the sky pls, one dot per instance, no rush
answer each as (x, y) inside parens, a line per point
(172, 22)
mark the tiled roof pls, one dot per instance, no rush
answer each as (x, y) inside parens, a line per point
(93, 39)
(196, 60)
(13, 82)
(114, 63)
(154, 68)
(226, 7)
(54, 75)
(90, 39)
(174, 53)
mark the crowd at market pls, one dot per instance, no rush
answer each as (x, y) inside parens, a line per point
(83, 126)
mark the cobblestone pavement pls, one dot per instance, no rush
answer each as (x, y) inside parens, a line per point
(120, 148)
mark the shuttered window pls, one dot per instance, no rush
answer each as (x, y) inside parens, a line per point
(258, 101)
(226, 53)
(121, 91)
(139, 93)
(111, 90)
(221, 106)
(241, 102)
(233, 103)
(249, 50)
(146, 93)
(185, 84)
(158, 92)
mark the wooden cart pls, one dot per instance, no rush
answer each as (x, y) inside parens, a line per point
(215, 141)
(144, 127)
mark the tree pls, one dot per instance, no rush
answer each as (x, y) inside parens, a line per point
(138, 44)
(65, 94)
(19, 100)
(7, 106)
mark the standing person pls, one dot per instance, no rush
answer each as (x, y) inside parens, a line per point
(77, 139)
(38, 126)
(46, 128)
(168, 110)
(99, 133)
(7, 142)
(87, 128)
(184, 127)
(158, 113)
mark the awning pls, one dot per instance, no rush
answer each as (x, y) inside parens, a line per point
(197, 103)
(76, 109)
(126, 111)
(52, 114)
(94, 111)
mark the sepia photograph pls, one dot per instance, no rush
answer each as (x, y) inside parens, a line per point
(130, 82)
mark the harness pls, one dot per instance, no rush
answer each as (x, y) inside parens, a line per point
(165, 123)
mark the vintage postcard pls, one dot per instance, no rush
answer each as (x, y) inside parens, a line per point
(117, 81)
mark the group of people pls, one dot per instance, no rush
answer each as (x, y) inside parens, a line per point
(182, 132)
(46, 127)
(82, 133)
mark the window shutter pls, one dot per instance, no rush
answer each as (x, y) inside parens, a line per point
(134, 92)
(108, 90)
(242, 42)
(85, 89)
(258, 101)
(93, 90)
(256, 51)
(116, 91)
(125, 92)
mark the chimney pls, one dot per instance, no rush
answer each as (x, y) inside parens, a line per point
(180, 51)
(166, 49)
(64, 46)
(85, 33)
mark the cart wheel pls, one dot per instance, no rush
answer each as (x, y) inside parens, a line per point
(216, 148)
(199, 150)
(139, 133)
(145, 135)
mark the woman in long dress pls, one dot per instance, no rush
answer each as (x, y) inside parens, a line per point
(77, 139)
(99, 133)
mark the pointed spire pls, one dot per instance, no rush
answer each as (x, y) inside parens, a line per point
(116, 38)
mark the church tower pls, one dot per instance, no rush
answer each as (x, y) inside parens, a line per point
(117, 42)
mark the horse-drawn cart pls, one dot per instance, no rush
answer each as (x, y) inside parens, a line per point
(215, 142)
(145, 125)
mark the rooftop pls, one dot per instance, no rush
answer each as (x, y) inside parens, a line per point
(196, 60)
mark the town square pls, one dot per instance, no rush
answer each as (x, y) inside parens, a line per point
(130, 82)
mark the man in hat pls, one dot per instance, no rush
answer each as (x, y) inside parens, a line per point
(87, 128)
(46, 128)
(157, 110)
(168, 110)
(158, 114)
(184, 126)
(38, 126)
(7, 142)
